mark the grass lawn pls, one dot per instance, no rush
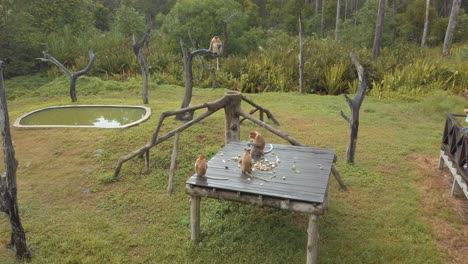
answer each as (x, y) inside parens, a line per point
(398, 208)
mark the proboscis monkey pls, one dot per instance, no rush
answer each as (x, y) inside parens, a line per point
(216, 46)
(257, 145)
(201, 166)
(246, 163)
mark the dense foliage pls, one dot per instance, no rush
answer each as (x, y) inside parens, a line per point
(260, 38)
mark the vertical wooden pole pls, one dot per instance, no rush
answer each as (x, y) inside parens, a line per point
(173, 163)
(195, 216)
(441, 162)
(147, 160)
(456, 189)
(231, 111)
(313, 239)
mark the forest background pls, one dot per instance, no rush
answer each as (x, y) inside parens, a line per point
(262, 45)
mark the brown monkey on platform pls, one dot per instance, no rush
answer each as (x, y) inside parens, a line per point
(246, 163)
(257, 145)
(201, 166)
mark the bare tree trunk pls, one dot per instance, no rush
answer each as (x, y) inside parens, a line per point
(301, 59)
(212, 71)
(355, 105)
(346, 9)
(394, 20)
(143, 61)
(8, 189)
(188, 57)
(451, 27)
(316, 8)
(73, 76)
(322, 22)
(426, 24)
(355, 7)
(379, 29)
(337, 24)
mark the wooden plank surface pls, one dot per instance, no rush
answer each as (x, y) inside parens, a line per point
(302, 173)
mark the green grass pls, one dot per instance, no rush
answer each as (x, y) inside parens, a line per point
(73, 213)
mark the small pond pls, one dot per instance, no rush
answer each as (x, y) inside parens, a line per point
(98, 116)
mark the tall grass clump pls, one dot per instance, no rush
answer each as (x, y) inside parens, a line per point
(333, 81)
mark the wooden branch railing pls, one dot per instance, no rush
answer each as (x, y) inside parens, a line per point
(262, 110)
(455, 144)
(231, 104)
(211, 107)
(292, 141)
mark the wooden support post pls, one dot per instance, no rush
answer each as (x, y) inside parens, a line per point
(457, 191)
(441, 163)
(147, 160)
(231, 111)
(261, 115)
(173, 163)
(338, 178)
(313, 239)
(195, 216)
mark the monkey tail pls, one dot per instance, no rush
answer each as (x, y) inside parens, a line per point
(268, 151)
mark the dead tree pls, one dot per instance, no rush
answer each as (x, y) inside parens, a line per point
(8, 188)
(451, 27)
(379, 27)
(301, 59)
(426, 24)
(355, 105)
(73, 76)
(212, 71)
(337, 23)
(143, 60)
(188, 62)
(231, 104)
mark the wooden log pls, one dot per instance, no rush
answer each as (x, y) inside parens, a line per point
(195, 216)
(273, 130)
(246, 198)
(231, 110)
(338, 178)
(441, 163)
(173, 163)
(266, 111)
(212, 108)
(8, 187)
(312, 239)
(250, 113)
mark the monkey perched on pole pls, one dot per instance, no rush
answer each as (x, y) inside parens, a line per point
(216, 46)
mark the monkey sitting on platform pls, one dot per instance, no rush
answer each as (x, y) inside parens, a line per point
(257, 145)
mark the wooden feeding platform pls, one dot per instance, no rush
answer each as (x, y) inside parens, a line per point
(291, 177)
(454, 154)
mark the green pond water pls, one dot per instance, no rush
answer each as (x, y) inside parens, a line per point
(97, 116)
